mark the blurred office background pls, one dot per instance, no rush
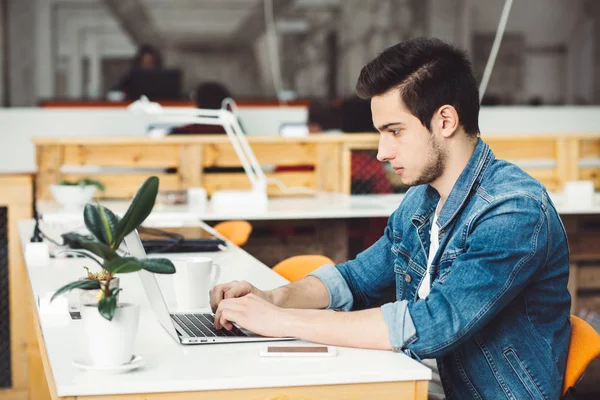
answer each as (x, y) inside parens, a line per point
(62, 63)
(79, 49)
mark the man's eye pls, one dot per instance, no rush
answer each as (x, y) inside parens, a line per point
(395, 132)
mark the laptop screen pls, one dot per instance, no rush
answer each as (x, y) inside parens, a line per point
(179, 240)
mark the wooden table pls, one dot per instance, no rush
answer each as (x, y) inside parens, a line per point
(552, 159)
(327, 157)
(16, 200)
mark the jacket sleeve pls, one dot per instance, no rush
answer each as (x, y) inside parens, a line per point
(365, 281)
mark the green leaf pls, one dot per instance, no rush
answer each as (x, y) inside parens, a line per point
(101, 222)
(94, 182)
(77, 241)
(158, 265)
(85, 284)
(140, 208)
(123, 265)
(108, 305)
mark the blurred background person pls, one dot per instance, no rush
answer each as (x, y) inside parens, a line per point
(208, 96)
(147, 58)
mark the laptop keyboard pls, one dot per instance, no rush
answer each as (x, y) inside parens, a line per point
(202, 325)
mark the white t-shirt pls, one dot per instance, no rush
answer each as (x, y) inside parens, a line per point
(434, 244)
(435, 390)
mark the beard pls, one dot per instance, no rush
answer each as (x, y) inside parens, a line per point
(436, 164)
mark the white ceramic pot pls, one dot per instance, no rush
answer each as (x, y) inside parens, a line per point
(110, 343)
(73, 196)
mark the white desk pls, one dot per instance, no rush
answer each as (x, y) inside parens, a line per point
(319, 206)
(329, 213)
(230, 371)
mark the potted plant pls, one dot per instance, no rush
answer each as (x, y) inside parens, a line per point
(75, 194)
(105, 320)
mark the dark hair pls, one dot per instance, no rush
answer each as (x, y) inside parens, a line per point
(210, 95)
(429, 74)
(147, 49)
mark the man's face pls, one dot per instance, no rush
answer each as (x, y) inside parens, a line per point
(147, 61)
(414, 152)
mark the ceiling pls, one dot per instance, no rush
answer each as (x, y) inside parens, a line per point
(186, 23)
(178, 19)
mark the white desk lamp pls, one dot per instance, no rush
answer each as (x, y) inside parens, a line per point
(223, 201)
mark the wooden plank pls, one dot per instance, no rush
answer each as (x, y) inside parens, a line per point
(221, 181)
(293, 153)
(591, 174)
(17, 196)
(421, 390)
(49, 160)
(124, 186)
(328, 167)
(590, 148)
(206, 139)
(522, 149)
(346, 172)
(190, 165)
(11, 394)
(358, 391)
(122, 156)
(567, 158)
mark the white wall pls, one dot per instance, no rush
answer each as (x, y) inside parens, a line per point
(542, 120)
(19, 125)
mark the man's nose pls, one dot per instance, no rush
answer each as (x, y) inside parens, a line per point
(386, 149)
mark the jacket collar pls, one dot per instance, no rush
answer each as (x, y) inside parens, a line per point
(470, 176)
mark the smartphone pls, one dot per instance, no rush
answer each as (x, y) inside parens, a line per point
(297, 351)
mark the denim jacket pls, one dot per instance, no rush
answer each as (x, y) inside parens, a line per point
(497, 316)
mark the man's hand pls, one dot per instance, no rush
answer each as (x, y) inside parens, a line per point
(253, 313)
(232, 290)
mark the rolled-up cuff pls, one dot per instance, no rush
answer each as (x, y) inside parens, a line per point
(401, 328)
(340, 296)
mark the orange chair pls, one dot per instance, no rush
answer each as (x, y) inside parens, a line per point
(237, 232)
(297, 267)
(584, 347)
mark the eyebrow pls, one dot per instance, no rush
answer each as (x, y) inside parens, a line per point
(385, 126)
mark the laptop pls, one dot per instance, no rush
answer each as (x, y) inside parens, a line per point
(180, 240)
(186, 328)
(156, 84)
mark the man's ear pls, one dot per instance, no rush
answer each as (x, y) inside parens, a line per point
(447, 120)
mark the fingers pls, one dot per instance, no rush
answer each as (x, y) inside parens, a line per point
(217, 293)
(229, 290)
(239, 290)
(228, 312)
(224, 321)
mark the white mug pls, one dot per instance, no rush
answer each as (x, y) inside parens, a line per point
(193, 279)
(579, 194)
(197, 198)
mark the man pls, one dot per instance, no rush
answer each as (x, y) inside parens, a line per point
(476, 256)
